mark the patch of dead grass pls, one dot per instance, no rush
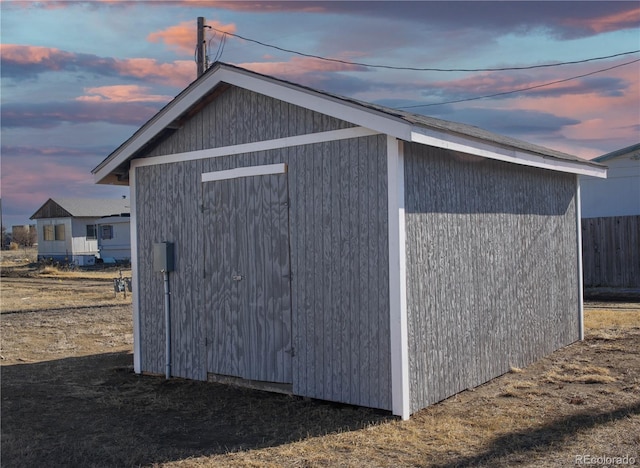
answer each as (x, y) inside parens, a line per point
(602, 319)
(578, 373)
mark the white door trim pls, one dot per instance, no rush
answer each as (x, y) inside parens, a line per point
(248, 171)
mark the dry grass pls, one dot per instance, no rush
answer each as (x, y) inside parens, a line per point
(70, 398)
(22, 263)
(26, 286)
(578, 373)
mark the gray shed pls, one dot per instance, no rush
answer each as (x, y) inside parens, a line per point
(344, 251)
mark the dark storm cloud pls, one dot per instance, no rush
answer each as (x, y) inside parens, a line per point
(565, 19)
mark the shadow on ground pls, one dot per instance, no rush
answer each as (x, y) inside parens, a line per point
(94, 411)
(520, 443)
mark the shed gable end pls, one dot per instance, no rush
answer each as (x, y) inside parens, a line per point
(238, 116)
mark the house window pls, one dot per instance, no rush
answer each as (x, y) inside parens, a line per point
(92, 232)
(59, 231)
(47, 232)
(106, 231)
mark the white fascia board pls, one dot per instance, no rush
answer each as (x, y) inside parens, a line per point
(306, 99)
(308, 139)
(475, 147)
(248, 171)
(323, 104)
(398, 325)
(161, 120)
(133, 229)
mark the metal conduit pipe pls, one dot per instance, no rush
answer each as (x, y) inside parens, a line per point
(167, 322)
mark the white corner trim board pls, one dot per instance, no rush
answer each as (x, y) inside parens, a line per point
(278, 143)
(580, 266)
(248, 171)
(398, 326)
(133, 226)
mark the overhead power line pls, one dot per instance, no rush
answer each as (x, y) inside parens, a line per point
(392, 67)
(519, 90)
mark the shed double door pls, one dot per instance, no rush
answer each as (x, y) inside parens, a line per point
(247, 277)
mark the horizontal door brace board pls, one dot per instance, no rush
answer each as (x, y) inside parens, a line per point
(248, 171)
(278, 143)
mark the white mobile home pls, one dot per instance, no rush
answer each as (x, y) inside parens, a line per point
(114, 238)
(67, 230)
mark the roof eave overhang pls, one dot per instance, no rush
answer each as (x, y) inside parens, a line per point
(476, 147)
(110, 170)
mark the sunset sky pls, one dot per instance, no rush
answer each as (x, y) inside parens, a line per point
(79, 77)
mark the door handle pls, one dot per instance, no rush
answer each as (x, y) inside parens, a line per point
(237, 277)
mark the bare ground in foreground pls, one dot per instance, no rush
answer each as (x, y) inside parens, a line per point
(70, 398)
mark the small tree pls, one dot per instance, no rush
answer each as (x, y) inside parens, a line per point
(25, 236)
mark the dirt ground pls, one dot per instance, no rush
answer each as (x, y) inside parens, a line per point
(70, 398)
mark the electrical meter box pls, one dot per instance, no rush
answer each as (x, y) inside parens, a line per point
(163, 256)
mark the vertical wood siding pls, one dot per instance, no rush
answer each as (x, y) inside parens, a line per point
(492, 276)
(240, 116)
(247, 230)
(162, 193)
(338, 245)
(611, 252)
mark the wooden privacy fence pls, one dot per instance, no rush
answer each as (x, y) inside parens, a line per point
(611, 252)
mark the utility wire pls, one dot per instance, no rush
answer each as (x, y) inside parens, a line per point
(519, 90)
(391, 67)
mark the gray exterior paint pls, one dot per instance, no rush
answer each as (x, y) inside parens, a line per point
(487, 277)
(492, 279)
(338, 240)
(239, 116)
(247, 278)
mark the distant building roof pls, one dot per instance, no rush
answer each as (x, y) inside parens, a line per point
(616, 153)
(82, 208)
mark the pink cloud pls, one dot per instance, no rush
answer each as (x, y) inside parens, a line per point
(178, 73)
(613, 22)
(602, 117)
(22, 55)
(299, 66)
(68, 174)
(182, 37)
(22, 186)
(19, 61)
(121, 93)
(234, 5)
(264, 6)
